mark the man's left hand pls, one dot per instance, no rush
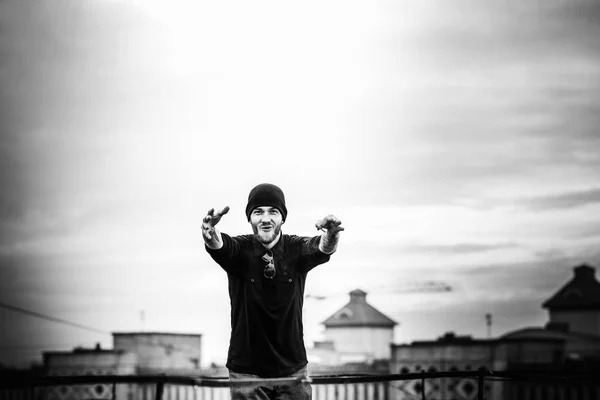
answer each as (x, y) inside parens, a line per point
(330, 223)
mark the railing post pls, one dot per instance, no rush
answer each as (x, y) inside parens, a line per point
(480, 384)
(376, 391)
(423, 388)
(160, 386)
(114, 391)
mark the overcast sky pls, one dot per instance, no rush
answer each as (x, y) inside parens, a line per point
(457, 141)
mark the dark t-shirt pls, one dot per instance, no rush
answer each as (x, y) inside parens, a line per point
(266, 314)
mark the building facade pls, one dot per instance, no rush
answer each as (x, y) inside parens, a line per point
(576, 305)
(356, 333)
(162, 351)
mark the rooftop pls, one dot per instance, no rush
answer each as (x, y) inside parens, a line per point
(582, 292)
(155, 334)
(357, 313)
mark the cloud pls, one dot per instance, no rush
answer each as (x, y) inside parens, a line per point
(564, 200)
(541, 277)
(460, 248)
(490, 104)
(512, 292)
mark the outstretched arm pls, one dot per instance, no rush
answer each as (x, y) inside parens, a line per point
(210, 234)
(331, 227)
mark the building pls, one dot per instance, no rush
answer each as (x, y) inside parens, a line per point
(571, 338)
(323, 354)
(96, 361)
(162, 351)
(573, 320)
(132, 353)
(576, 306)
(356, 333)
(449, 352)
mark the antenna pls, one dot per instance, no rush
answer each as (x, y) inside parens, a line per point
(488, 322)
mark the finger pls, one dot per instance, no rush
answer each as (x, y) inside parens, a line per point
(335, 222)
(331, 219)
(207, 219)
(332, 222)
(224, 211)
(210, 211)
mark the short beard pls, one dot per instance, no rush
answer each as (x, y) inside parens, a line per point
(266, 238)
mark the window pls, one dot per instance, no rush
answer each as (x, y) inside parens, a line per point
(573, 295)
(345, 314)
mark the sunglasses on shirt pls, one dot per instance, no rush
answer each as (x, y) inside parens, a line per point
(269, 271)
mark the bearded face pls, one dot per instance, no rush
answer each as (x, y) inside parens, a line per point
(266, 223)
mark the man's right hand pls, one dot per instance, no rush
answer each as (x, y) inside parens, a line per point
(211, 219)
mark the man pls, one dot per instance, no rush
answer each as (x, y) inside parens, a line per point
(267, 272)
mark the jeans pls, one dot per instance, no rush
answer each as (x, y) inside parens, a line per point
(271, 390)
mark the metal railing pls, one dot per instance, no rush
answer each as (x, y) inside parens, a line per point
(460, 385)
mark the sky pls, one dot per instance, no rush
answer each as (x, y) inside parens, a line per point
(456, 141)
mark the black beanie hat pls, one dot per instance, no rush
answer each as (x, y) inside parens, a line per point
(266, 194)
